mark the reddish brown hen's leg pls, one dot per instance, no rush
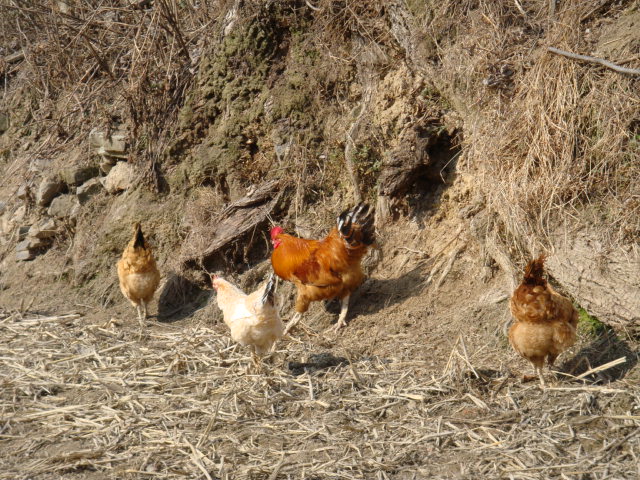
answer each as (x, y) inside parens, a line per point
(292, 323)
(302, 305)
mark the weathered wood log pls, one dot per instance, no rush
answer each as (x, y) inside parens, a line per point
(238, 218)
(401, 167)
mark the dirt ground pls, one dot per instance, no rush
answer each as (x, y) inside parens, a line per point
(421, 383)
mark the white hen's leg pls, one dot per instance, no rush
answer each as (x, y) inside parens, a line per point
(292, 323)
(343, 314)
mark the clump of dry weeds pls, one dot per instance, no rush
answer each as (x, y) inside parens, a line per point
(549, 139)
(88, 63)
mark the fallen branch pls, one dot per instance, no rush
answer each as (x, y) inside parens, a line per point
(312, 7)
(15, 57)
(587, 58)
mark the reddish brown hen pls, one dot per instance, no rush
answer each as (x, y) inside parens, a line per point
(328, 268)
(545, 320)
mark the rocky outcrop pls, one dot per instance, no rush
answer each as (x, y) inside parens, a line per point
(48, 189)
(78, 174)
(89, 189)
(35, 239)
(64, 206)
(604, 281)
(120, 178)
(113, 145)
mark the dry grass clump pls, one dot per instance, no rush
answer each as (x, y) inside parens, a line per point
(82, 396)
(107, 63)
(553, 139)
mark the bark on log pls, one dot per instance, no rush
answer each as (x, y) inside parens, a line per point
(401, 167)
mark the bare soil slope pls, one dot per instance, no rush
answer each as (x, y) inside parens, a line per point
(421, 384)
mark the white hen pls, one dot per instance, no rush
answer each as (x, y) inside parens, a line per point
(252, 319)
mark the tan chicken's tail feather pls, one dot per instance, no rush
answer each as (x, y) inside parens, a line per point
(139, 241)
(356, 225)
(534, 271)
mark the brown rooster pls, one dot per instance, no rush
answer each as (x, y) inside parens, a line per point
(138, 274)
(328, 268)
(545, 320)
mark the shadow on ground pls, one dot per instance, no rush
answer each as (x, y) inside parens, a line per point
(605, 348)
(180, 298)
(376, 294)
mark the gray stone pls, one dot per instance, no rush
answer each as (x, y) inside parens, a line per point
(64, 206)
(19, 214)
(3, 207)
(48, 189)
(23, 191)
(88, 190)
(96, 138)
(115, 144)
(23, 231)
(79, 174)
(32, 243)
(120, 178)
(24, 255)
(39, 165)
(107, 163)
(44, 229)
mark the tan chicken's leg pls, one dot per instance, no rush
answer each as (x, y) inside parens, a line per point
(292, 323)
(140, 308)
(256, 359)
(144, 309)
(343, 314)
(538, 370)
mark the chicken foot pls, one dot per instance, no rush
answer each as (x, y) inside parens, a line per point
(141, 309)
(292, 323)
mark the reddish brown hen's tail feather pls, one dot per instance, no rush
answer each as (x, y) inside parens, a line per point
(356, 225)
(534, 271)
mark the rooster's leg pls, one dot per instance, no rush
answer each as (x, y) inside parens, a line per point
(343, 314)
(292, 323)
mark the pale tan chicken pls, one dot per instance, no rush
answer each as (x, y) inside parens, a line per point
(138, 274)
(545, 320)
(252, 319)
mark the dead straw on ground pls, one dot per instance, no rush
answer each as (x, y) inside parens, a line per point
(81, 396)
